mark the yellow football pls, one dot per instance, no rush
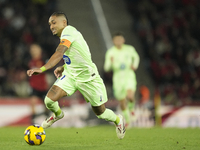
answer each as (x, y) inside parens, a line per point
(34, 135)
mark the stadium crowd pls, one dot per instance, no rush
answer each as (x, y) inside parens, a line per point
(22, 23)
(169, 32)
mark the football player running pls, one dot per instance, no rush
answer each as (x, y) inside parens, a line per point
(78, 73)
(123, 60)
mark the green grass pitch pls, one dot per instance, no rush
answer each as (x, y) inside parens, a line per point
(104, 138)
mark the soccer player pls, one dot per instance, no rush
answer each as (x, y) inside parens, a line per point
(78, 73)
(37, 83)
(123, 60)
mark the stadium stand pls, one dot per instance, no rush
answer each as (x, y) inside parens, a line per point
(21, 24)
(169, 32)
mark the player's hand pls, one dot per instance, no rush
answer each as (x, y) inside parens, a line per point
(133, 68)
(34, 71)
(111, 59)
(58, 71)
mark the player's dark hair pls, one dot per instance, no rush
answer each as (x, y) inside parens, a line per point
(59, 13)
(118, 33)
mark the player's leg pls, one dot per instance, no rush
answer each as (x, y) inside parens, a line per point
(131, 106)
(131, 84)
(95, 92)
(51, 102)
(131, 88)
(108, 115)
(131, 100)
(120, 94)
(63, 86)
(125, 111)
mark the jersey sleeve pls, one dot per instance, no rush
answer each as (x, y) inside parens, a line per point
(108, 63)
(136, 58)
(67, 37)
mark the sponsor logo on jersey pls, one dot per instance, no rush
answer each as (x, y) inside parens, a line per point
(66, 35)
(66, 59)
(122, 66)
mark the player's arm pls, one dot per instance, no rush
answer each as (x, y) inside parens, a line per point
(136, 60)
(54, 60)
(108, 62)
(56, 57)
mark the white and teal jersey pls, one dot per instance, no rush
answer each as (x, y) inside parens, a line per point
(77, 58)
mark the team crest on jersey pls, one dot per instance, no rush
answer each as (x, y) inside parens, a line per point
(122, 66)
(66, 59)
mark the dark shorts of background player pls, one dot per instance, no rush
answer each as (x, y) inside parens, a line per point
(40, 94)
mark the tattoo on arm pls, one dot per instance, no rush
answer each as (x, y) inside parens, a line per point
(62, 49)
(56, 57)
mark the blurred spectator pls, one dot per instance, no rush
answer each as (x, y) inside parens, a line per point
(169, 32)
(144, 94)
(21, 24)
(38, 83)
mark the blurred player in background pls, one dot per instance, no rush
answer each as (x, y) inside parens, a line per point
(123, 60)
(38, 83)
(78, 73)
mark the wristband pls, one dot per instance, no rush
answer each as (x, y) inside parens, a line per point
(43, 69)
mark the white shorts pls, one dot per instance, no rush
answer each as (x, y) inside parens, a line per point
(93, 91)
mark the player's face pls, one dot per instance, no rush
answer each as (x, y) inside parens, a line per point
(57, 24)
(118, 41)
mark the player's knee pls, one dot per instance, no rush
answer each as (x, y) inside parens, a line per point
(48, 102)
(130, 95)
(102, 116)
(122, 104)
(131, 100)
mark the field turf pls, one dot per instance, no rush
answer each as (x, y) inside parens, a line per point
(104, 138)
